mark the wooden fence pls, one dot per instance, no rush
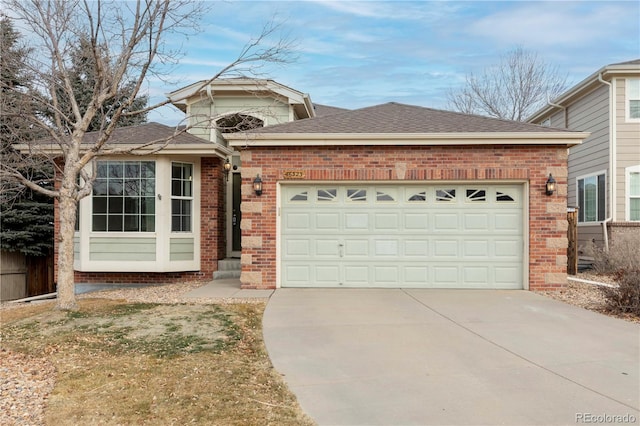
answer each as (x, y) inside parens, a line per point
(25, 276)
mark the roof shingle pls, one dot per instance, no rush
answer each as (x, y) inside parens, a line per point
(395, 118)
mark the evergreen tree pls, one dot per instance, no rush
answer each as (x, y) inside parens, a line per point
(86, 62)
(26, 218)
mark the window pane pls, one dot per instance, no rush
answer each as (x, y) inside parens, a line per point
(186, 223)
(147, 223)
(634, 109)
(176, 171)
(581, 200)
(634, 184)
(132, 205)
(100, 187)
(132, 169)
(101, 169)
(186, 207)
(147, 205)
(115, 186)
(99, 223)
(186, 188)
(114, 223)
(602, 203)
(131, 223)
(590, 200)
(148, 169)
(634, 209)
(99, 205)
(175, 224)
(132, 187)
(176, 188)
(115, 169)
(175, 207)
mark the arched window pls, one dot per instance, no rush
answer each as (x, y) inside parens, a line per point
(238, 122)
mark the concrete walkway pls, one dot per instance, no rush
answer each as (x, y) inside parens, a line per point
(452, 357)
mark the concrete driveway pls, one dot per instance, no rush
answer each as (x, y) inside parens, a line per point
(440, 357)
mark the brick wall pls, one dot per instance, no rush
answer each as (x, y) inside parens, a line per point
(547, 214)
(212, 237)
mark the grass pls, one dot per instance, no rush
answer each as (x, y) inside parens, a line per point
(130, 363)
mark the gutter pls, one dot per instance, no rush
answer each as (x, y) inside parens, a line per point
(612, 163)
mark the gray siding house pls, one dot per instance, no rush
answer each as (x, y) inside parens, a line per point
(604, 171)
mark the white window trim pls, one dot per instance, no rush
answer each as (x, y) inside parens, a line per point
(182, 197)
(627, 195)
(606, 179)
(627, 101)
(162, 234)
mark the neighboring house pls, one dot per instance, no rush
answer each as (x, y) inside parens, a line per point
(387, 196)
(604, 171)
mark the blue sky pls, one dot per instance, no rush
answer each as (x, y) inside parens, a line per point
(354, 54)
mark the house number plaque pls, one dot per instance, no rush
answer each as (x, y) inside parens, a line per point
(293, 174)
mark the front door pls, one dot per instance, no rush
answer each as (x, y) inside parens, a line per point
(236, 215)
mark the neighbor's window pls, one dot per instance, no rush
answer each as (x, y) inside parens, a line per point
(633, 99)
(633, 191)
(591, 198)
(181, 196)
(124, 196)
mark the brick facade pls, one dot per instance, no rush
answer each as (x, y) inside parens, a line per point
(212, 236)
(532, 163)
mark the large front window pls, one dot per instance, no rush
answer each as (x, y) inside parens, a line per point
(591, 198)
(124, 196)
(181, 196)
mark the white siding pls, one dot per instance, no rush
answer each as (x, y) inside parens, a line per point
(129, 249)
(181, 249)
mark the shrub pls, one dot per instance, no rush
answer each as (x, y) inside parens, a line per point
(622, 262)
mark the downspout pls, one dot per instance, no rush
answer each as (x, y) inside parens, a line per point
(564, 111)
(611, 161)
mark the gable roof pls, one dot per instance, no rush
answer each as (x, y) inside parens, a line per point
(322, 110)
(621, 69)
(399, 124)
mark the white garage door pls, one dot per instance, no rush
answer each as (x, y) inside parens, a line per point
(431, 236)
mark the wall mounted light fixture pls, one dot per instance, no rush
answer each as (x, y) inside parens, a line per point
(551, 185)
(226, 167)
(257, 185)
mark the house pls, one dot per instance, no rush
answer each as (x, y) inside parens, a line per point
(604, 171)
(307, 195)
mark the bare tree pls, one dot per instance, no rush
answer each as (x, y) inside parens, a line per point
(127, 41)
(514, 89)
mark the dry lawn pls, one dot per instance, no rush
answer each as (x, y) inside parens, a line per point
(121, 363)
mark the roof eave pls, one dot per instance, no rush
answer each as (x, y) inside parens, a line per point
(585, 86)
(202, 149)
(425, 139)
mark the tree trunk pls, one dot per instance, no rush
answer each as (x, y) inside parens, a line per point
(67, 217)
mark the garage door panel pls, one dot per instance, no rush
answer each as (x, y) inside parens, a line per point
(478, 249)
(506, 249)
(387, 221)
(440, 236)
(416, 248)
(445, 221)
(356, 221)
(416, 221)
(476, 275)
(327, 221)
(445, 248)
(386, 274)
(476, 222)
(386, 247)
(327, 247)
(356, 247)
(297, 247)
